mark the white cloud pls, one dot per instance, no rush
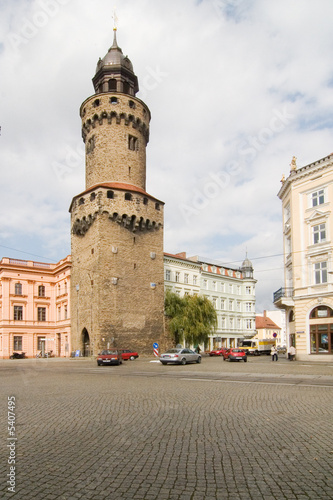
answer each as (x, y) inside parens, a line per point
(216, 75)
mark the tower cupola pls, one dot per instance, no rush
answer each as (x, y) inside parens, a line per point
(247, 268)
(114, 73)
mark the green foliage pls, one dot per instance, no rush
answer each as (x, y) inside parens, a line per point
(191, 318)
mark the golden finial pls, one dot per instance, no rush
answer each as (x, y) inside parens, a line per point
(115, 20)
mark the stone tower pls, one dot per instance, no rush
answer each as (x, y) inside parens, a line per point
(117, 292)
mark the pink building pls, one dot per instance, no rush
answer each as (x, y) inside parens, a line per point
(34, 307)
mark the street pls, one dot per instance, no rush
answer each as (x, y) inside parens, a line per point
(215, 430)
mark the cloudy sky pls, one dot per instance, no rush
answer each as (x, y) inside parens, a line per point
(235, 88)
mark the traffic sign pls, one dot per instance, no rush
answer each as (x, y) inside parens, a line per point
(155, 346)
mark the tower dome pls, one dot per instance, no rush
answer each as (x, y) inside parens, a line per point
(247, 268)
(114, 73)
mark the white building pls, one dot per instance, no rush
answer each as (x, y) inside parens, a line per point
(232, 292)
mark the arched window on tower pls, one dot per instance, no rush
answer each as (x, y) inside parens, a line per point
(112, 85)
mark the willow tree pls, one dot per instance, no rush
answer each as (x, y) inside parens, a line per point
(192, 318)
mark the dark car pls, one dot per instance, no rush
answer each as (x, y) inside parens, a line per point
(128, 354)
(109, 357)
(235, 354)
(218, 352)
(180, 356)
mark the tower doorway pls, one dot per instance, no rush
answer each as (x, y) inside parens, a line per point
(85, 343)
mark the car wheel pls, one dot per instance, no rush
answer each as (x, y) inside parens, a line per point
(163, 362)
(183, 361)
(199, 360)
(99, 364)
(230, 359)
(245, 360)
(224, 358)
(132, 358)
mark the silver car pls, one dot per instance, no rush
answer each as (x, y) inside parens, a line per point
(180, 356)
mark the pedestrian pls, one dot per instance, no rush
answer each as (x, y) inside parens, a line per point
(292, 353)
(274, 353)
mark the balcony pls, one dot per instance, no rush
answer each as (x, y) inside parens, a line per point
(283, 298)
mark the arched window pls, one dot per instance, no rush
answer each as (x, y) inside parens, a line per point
(321, 312)
(291, 317)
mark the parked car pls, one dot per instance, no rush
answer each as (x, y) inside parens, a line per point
(235, 354)
(128, 354)
(218, 352)
(109, 357)
(180, 356)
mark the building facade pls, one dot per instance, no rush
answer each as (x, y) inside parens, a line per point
(307, 295)
(34, 307)
(117, 227)
(268, 329)
(232, 292)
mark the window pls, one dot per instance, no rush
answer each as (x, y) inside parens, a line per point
(231, 305)
(248, 306)
(41, 291)
(110, 195)
(133, 143)
(320, 312)
(96, 103)
(230, 288)
(195, 280)
(214, 287)
(321, 338)
(223, 322)
(319, 233)
(17, 345)
(18, 313)
(92, 196)
(157, 206)
(114, 100)
(131, 104)
(320, 269)
(59, 313)
(81, 201)
(286, 212)
(186, 279)
(145, 201)
(65, 312)
(177, 276)
(222, 287)
(168, 275)
(112, 85)
(205, 284)
(40, 343)
(18, 288)
(222, 304)
(41, 313)
(215, 302)
(238, 306)
(248, 324)
(231, 322)
(318, 198)
(128, 196)
(248, 290)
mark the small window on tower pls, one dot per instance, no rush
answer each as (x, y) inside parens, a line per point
(81, 201)
(131, 104)
(128, 196)
(112, 84)
(96, 103)
(145, 201)
(157, 206)
(92, 196)
(110, 194)
(114, 100)
(133, 143)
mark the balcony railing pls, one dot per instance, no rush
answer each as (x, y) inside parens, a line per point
(283, 293)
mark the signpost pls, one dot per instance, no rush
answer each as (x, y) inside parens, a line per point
(155, 347)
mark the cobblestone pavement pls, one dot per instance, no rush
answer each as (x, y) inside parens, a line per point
(218, 430)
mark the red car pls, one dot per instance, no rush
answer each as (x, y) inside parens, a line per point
(235, 354)
(109, 357)
(218, 352)
(128, 354)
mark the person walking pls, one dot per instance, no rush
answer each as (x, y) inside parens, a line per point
(274, 353)
(292, 353)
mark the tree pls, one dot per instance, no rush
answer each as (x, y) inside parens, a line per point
(191, 318)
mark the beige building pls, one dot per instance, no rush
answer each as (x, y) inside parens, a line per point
(267, 329)
(307, 295)
(34, 307)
